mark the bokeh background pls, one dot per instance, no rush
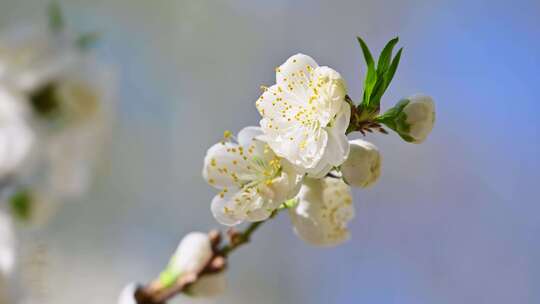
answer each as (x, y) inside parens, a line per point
(455, 220)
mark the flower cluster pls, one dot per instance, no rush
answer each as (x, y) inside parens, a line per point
(300, 157)
(55, 106)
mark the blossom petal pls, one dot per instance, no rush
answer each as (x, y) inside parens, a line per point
(225, 165)
(247, 134)
(324, 209)
(281, 108)
(221, 213)
(240, 205)
(342, 119)
(337, 148)
(320, 171)
(295, 74)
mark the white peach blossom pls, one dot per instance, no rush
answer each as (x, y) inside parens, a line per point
(253, 180)
(324, 208)
(305, 115)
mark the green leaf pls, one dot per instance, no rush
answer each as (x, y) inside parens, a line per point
(386, 56)
(369, 85)
(87, 40)
(389, 75)
(367, 54)
(56, 18)
(378, 78)
(21, 204)
(371, 76)
(393, 112)
(396, 120)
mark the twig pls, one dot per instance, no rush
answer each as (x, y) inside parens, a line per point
(155, 293)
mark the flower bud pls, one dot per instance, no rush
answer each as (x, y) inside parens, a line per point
(420, 117)
(208, 285)
(127, 296)
(363, 166)
(192, 254)
(324, 208)
(411, 118)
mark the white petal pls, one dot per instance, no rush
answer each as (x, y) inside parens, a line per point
(304, 149)
(337, 148)
(224, 165)
(331, 91)
(295, 178)
(294, 75)
(221, 211)
(324, 209)
(342, 119)
(247, 134)
(321, 170)
(280, 109)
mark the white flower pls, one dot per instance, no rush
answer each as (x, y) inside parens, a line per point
(34, 60)
(209, 285)
(31, 56)
(363, 166)
(253, 180)
(305, 115)
(70, 143)
(324, 208)
(16, 137)
(420, 117)
(86, 100)
(192, 254)
(7, 245)
(127, 296)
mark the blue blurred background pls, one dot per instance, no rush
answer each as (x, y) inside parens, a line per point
(454, 220)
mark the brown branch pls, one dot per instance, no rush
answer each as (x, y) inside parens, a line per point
(155, 293)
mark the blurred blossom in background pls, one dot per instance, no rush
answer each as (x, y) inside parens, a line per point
(454, 220)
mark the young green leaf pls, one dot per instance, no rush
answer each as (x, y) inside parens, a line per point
(369, 85)
(367, 54)
(371, 75)
(389, 75)
(396, 120)
(386, 56)
(378, 78)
